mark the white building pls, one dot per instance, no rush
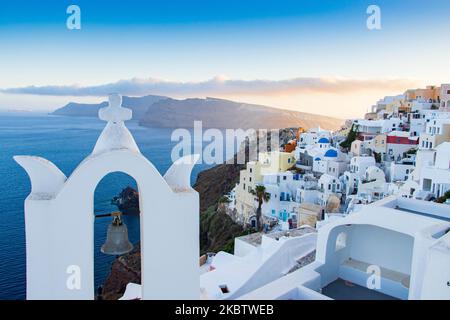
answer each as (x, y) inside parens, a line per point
(258, 259)
(312, 136)
(357, 170)
(282, 189)
(373, 186)
(437, 131)
(445, 96)
(392, 249)
(401, 171)
(436, 178)
(398, 143)
(374, 127)
(328, 186)
(359, 165)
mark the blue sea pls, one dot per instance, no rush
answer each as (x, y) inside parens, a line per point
(65, 141)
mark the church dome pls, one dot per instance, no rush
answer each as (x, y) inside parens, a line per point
(324, 140)
(331, 153)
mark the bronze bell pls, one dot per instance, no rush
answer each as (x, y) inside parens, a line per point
(117, 242)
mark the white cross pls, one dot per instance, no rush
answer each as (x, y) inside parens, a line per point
(115, 112)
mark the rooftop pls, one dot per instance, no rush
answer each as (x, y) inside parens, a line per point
(255, 239)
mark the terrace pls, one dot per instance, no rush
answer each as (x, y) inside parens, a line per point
(376, 253)
(345, 290)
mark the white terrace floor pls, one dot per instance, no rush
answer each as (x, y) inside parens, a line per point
(344, 290)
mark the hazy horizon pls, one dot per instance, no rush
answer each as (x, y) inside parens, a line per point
(317, 57)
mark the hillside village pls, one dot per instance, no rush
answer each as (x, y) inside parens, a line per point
(359, 213)
(401, 148)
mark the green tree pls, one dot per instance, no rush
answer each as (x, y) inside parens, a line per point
(443, 198)
(224, 199)
(261, 196)
(352, 135)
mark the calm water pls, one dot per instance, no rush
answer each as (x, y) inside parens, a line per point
(66, 142)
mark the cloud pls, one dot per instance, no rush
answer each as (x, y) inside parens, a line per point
(220, 85)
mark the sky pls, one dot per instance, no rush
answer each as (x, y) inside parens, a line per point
(313, 56)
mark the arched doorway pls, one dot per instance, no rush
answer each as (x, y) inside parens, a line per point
(110, 276)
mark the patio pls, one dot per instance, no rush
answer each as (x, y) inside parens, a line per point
(345, 290)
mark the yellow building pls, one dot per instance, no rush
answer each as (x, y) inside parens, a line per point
(252, 175)
(430, 140)
(394, 106)
(273, 162)
(378, 144)
(429, 93)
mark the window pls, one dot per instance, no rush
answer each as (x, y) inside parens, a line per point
(250, 179)
(251, 170)
(284, 177)
(244, 186)
(224, 288)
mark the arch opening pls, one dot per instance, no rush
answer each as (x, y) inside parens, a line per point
(116, 192)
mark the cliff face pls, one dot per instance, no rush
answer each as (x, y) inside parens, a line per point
(213, 183)
(139, 105)
(163, 112)
(220, 113)
(125, 269)
(127, 201)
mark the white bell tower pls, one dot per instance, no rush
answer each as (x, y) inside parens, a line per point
(59, 218)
